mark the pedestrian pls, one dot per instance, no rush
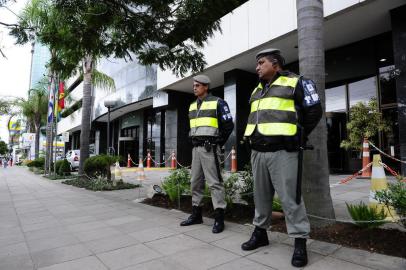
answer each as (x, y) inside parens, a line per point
(285, 107)
(211, 124)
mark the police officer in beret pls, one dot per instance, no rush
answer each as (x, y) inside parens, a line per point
(211, 124)
(284, 107)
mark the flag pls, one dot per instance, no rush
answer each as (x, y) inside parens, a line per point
(51, 104)
(61, 98)
(60, 102)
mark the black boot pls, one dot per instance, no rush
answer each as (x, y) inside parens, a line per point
(259, 238)
(299, 258)
(218, 226)
(194, 218)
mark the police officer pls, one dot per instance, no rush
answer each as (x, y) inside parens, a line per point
(211, 124)
(282, 106)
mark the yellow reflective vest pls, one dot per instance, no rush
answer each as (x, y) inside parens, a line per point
(203, 120)
(273, 112)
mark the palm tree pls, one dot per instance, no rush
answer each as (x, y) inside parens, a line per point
(34, 109)
(316, 188)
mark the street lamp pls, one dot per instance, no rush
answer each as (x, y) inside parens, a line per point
(109, 104)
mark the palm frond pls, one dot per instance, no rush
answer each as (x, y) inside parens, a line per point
(103, 81)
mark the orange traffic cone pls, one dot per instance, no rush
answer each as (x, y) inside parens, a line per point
(365, 160)
(173, 161)
(233, 160)
(149, 160)
(141, 173)
(129, 161)
(379, 182)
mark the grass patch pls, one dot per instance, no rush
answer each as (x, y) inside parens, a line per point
(99, 184)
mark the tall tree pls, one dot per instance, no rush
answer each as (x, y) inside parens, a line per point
(316, 188)
(34, 109)
(168, 33)
(3, 148)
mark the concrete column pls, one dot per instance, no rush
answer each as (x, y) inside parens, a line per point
(171, 133)
(399, 50)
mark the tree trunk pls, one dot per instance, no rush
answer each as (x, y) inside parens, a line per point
(37, 138)
(86, 111)
(316, 186)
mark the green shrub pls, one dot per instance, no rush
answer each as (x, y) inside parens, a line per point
(363, 212)
(206, 193)
(247, 188)
(37, 163)
(99, 184)
(64, 167)
(231, 188)
(394, 196)
(176, 183)
(276, 204)
(99, 166)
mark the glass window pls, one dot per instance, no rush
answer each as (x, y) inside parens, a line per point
(336, 99)
(362, 91)
(387, 84)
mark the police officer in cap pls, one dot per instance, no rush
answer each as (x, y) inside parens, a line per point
(284, 108)
(211, 124)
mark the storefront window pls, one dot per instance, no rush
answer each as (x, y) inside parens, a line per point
(336, 99)
(387, 84)
(362, 91)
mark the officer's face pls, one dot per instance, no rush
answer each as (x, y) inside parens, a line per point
(199, 89)
(265, 68)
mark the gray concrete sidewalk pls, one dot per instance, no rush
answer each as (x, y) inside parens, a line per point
(48, 225)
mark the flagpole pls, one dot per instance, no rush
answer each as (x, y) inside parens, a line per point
(56, 104)
(51, 149)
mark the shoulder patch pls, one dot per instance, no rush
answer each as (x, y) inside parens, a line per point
(309, 93)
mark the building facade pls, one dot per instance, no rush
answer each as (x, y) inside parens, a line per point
(365, 50)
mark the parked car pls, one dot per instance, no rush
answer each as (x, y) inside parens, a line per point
(73, 156)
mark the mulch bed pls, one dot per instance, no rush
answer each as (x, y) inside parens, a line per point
(386, 241)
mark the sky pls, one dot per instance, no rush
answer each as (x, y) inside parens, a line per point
(15, 69)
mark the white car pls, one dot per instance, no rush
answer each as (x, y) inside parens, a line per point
(73, 156)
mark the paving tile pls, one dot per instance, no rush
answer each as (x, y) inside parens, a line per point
(279, 256)
(241, 264)
(128, 256)
(12, 239)
(323, 248)
(58, 255)
(333, 263)
(203, 257)
(277, 237)
(50, 243)
(182, 229)
(46, 233)
(98, 233)
(77, 220)
(206, 235)
(174, 244)
(152, 234)
(86, 226)
(135, 226)
(157, 264)
(20, 262)
(111, 243)
(368, 259)
(38, 226)
(86, 263)
(233, 244)
(121, 220)
(13, 250)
